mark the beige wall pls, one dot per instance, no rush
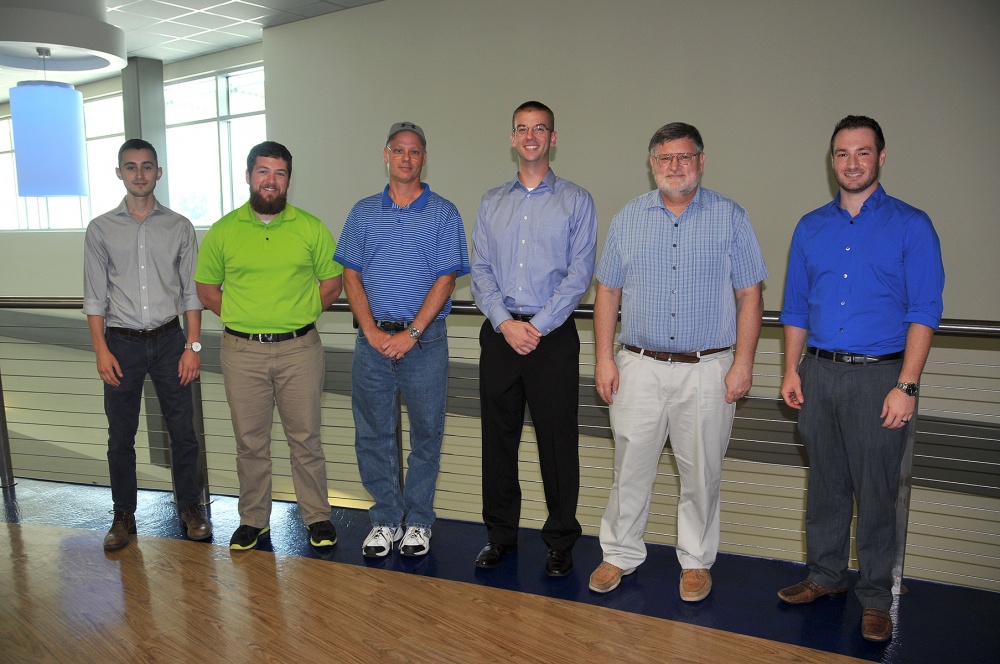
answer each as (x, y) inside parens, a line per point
(765, 82)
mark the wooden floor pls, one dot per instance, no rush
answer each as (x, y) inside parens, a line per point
(63, 599)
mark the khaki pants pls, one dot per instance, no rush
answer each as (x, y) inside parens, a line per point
(259, 376)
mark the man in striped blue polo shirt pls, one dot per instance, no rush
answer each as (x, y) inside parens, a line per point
(402, 250)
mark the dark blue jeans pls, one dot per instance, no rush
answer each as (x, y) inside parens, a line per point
(158, 357)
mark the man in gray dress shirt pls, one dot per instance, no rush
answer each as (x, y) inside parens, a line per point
(139, 262)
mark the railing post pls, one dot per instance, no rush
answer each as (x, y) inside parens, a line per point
(6, 467)
(199, 430)
(399, 439)
(903, 504)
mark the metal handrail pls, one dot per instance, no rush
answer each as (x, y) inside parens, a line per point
(949, 327)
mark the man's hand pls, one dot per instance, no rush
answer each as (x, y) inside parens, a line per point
(897, 409)
(393, 346)
(521, 336)
(189, 367)
(791, 390)
(108, 369)
(606, 379)
(738, 382)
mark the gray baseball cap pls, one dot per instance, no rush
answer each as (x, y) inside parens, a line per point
(406, 126)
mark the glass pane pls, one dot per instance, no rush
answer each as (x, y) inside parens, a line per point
(5, 142)
(9, 205)
(65, 213)
(103, 117)
(195, 189)
(246, 92)
(244, 133)
(190, 101)
(106, 190)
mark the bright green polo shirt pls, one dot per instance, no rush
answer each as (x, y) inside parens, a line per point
(268, 272)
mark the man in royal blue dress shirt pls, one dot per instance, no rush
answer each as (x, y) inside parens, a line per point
(533, 259)
(863, 296)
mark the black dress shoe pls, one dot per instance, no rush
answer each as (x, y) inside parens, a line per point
(559, 563)
(492, 555)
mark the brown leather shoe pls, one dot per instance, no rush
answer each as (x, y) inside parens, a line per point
(607, 577)
(695, 584)
(807, 591)
(198, 527)
(876, 625)
(122, 527)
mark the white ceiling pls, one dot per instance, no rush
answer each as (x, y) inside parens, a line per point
(172, 30)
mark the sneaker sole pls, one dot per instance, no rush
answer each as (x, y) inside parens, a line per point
(609, 589)
(325, 542)
(252, 545)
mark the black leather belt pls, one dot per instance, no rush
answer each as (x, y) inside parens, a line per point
(524, 318)
(265, 338)
(852, 358)
(393, 325)
(664, 356)
(172, 324)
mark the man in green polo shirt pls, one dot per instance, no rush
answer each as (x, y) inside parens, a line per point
(267, 270)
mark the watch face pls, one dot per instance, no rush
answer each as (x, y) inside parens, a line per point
(196, 347)
(414, 333)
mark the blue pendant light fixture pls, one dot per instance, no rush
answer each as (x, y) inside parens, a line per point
(54, 36)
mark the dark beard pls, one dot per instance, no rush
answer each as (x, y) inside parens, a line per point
(268, 208)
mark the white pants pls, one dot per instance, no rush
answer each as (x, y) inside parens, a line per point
(688, 401)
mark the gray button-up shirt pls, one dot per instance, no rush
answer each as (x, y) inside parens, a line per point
(139, 275)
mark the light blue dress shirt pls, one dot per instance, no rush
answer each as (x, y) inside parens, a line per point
(677, 274)
(533, 251)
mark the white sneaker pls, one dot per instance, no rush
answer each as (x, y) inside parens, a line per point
(378, 544)
(416, 541)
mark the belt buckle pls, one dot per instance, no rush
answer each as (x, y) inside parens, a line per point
(265, 338)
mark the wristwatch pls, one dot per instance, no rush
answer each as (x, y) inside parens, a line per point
(910, 389)
(196, 346)
(415, 333)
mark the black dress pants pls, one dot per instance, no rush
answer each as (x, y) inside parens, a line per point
(547, 380)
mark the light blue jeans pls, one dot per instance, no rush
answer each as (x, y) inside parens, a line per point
(421, 376)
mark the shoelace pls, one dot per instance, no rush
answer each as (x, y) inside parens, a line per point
(381, 537)
(416, 537)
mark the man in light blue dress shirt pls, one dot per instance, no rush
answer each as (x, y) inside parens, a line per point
(533, 259)
(686, 267)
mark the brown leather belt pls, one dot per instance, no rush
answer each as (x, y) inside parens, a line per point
(664, 356)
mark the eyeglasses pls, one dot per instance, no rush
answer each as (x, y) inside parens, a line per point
(539, 129)
(683, 158)
(399, 153)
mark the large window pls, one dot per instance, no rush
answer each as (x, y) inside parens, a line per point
(212, 123)
(104, 122)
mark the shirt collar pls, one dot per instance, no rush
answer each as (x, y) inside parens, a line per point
(122, 209)
(419, 204)
(244, 213)
(656, 200)
(549, 181)
(873, 202)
